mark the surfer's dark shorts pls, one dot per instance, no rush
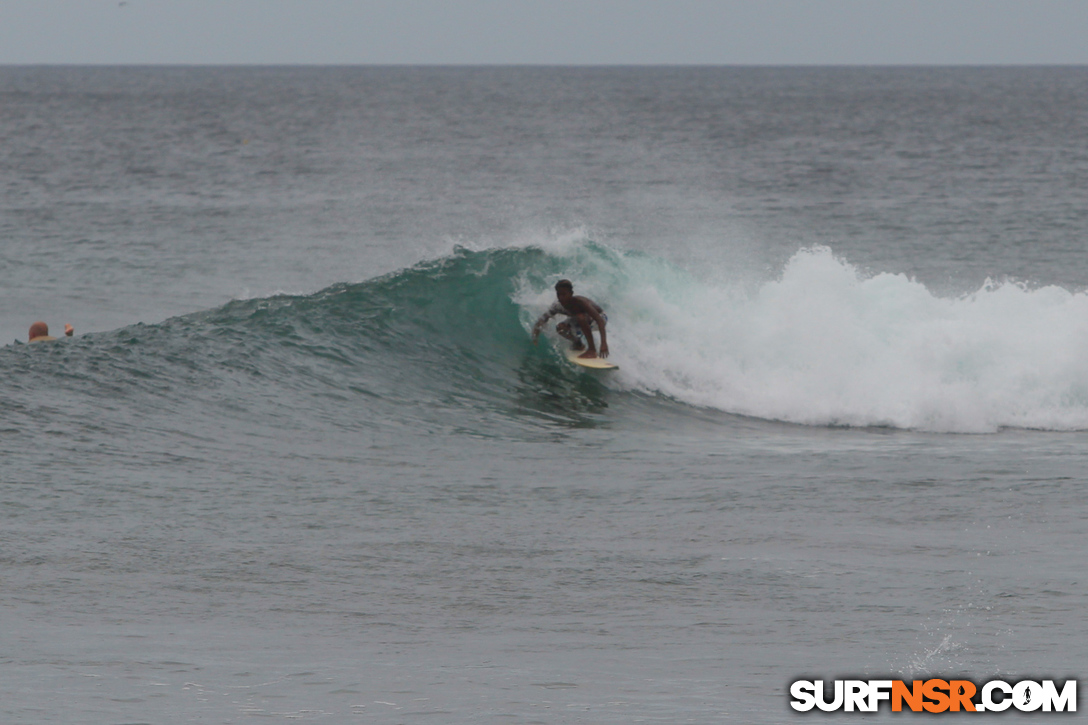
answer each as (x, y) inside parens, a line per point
(572, 322)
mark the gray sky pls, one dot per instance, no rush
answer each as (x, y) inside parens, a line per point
(545, 31)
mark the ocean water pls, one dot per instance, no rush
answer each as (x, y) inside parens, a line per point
(301, 461)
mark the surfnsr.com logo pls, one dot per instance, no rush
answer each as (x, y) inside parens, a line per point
(935, 696)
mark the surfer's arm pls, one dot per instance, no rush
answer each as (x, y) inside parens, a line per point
(543, 320)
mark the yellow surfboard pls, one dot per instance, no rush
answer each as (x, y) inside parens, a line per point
(593, 363)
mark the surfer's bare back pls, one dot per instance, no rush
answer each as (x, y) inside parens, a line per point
(583, 317)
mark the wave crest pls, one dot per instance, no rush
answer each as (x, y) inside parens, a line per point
(822, 344)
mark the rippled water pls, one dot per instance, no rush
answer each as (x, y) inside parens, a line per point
(302, 461)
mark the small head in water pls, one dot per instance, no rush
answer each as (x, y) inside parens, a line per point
(38, 329)
(39, 332)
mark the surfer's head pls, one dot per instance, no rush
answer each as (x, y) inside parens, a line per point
(39, 329)
(564, 290)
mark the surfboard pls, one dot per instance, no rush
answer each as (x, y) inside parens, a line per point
(593, 363)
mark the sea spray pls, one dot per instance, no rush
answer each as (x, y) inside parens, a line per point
(824, 344)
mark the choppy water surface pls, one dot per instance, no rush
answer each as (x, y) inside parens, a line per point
(303, 462)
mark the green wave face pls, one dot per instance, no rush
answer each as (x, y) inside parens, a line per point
(441, 346)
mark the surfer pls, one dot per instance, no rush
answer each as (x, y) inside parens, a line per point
(39, 332)
(583, 317)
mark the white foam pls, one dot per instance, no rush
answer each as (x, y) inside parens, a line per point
(826, 345)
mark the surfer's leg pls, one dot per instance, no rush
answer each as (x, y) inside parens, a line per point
(586, 325)
(565, 329)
